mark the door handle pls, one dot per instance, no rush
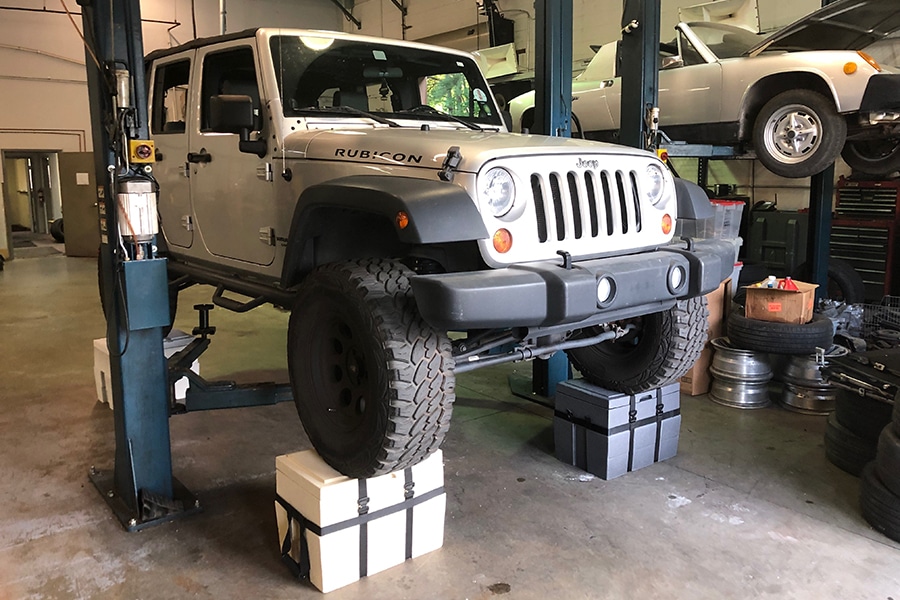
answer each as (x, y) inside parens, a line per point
(199, 157)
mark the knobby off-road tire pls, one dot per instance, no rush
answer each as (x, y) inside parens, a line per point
(780, 338)
(798, 133)
(373, 383)
(662, 349)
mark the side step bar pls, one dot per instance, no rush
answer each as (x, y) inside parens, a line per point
(258, 292)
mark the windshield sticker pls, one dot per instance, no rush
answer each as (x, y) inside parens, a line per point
(479, 95)
(399, 157)
(379, 55)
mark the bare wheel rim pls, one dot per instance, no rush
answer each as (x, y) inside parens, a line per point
(792, 133)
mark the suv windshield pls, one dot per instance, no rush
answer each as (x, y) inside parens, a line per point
(725, 41)
(317, 74)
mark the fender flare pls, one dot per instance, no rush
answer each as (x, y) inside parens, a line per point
(438, 211)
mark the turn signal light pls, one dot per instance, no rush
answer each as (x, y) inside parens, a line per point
(402, 220)
(666, 224)
(868, 58)
(850, 68)
(502, 241)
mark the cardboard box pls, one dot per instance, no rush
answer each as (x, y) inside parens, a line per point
(176, 341)
(697, 380)
(781, 306)
(608, 433)
(335, 530)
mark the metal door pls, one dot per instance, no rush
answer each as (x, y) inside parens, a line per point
(79, 202)
(232, 191)
(169, 115)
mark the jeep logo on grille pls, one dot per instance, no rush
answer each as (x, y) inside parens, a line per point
(587, 163)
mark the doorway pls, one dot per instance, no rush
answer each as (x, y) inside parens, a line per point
(31, 198)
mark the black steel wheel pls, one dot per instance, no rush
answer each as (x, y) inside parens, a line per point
(373, 383)
(780, 338)
(798, 133)
(873, 157)
(660, 349)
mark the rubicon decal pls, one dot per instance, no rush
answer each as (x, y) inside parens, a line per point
(399, 157)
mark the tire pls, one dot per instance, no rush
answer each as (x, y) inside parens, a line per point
(844, 283)
(662, 349)
(846, 450)
(779, 338)
(873, 157)
(373, 382)
(880, 508)
(57, 230)
(887, 460)
(822, 132)
(860, 414)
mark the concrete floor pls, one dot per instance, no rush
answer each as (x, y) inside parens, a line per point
(749, 508)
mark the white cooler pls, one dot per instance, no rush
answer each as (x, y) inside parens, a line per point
(336, 530)
(176, 341)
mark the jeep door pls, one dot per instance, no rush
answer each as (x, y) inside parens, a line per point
(232, 191)
(168, 108)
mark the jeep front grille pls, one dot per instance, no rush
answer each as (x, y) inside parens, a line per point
(588, 203)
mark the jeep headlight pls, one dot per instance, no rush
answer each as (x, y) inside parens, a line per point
(498, 190)
(654, 183)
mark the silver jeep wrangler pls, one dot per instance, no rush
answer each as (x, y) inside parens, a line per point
(371, 186)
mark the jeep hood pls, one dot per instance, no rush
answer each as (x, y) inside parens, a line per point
(842, 25)
(391, 146)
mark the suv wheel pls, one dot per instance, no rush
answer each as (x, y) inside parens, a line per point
(373, 383)
(661, 348)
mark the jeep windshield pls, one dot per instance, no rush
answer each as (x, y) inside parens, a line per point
(317, 75)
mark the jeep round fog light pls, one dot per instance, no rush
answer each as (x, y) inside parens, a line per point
(667, 224)
(655, 183)
(498, 190)
(606, 289)
(677, 276)
(502, 241)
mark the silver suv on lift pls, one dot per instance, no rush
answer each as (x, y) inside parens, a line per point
(371, 186)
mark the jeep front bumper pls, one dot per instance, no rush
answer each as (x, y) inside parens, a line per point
(546, 294)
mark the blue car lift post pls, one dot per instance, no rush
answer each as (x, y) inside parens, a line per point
(140, 488)
(552, 116)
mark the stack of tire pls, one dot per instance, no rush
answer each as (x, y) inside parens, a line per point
(880, 481)
(779, 338)
(851, 436)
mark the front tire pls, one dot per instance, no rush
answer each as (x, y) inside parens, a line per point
(661, 349)
(798, 133)
(373, 383)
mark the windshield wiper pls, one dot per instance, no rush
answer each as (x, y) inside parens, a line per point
(353, 111)
(424, 108)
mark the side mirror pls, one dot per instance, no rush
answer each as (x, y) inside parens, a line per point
(671, 62)
(234, 114)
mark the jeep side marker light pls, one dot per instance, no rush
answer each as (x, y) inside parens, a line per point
(502, 241)
(666, 224)
(402, 220)
(850, 68)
